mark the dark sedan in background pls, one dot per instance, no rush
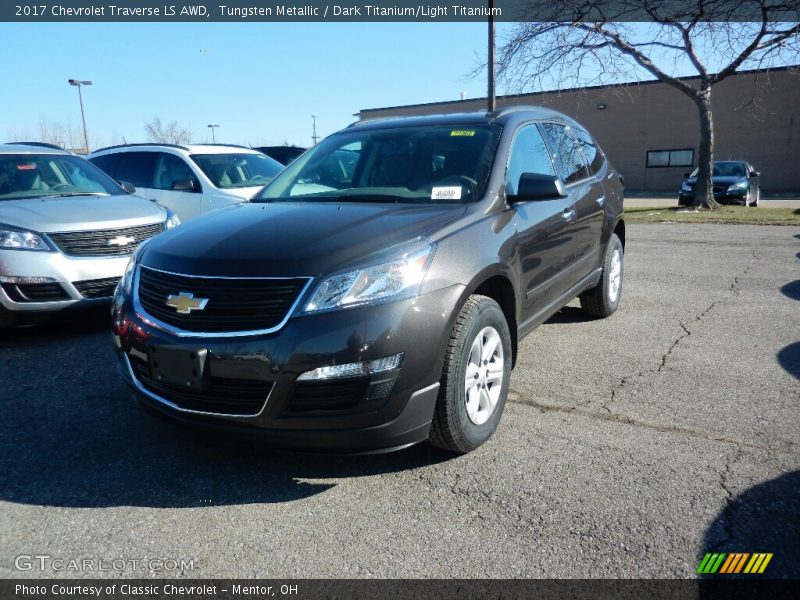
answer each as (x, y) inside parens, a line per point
(735, 182)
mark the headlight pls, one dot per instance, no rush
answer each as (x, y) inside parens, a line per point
(687, 187)
(737, 187)
(21, 239)
(172, 221)
(400, 278)
(126, 283)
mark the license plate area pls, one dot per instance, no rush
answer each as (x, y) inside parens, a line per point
(181, 367)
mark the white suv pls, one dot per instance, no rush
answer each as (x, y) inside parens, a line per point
(189, 180)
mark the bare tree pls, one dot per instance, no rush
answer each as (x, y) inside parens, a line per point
(589, 41)
(60, 134)
(169, 133)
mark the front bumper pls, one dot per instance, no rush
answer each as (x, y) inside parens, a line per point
(385, 411)
(724, 197)
(64, 274)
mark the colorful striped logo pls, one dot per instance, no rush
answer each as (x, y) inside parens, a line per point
(734, 562)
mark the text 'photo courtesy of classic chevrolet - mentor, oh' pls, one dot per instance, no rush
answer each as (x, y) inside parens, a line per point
(373, 295)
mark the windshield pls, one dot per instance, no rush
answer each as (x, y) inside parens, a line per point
(725, 169)
(51, 175)
(440, 164)
(237, 170)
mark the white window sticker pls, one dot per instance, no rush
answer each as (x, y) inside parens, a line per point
(450, 192)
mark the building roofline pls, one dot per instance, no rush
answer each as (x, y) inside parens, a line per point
(566, 90)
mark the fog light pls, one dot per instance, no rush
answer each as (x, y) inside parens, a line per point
(357, 369)
(26, 280)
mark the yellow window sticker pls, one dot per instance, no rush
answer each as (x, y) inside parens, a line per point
(462, 133)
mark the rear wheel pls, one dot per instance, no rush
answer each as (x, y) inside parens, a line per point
(603, 299)
(475, 378)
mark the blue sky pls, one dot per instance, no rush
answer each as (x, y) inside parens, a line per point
(261, 82)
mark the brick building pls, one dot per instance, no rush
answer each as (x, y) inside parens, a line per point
(650, 130)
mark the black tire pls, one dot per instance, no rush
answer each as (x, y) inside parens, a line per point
(599, 301)
(452, 427)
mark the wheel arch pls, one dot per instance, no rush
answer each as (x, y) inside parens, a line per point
(497, 285)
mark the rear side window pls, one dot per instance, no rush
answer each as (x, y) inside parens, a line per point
(593, 155)
(528, 155)
(137, 168)
(107, 163)
(566, 152)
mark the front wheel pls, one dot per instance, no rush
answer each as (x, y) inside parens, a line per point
(603, 300)
(475, 378)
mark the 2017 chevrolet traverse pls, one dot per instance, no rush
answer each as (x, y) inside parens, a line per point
(374, 294)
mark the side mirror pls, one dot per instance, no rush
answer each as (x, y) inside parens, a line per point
(755, 173)
(534, 186)
(128, 187)
(184, 185)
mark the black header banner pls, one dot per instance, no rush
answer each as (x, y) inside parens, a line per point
(395, 10)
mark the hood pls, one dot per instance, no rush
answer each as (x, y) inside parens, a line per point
(80, 213)
(719, 180)
(288, 239)
(245, 193)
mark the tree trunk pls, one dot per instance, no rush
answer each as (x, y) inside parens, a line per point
(704, 189)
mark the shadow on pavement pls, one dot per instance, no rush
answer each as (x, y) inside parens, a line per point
(765, 518)
(792, 290)
(570, 314)
(115, 455)
(789, 359)
(72, 436)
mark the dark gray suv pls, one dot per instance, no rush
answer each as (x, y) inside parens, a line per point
(373, 295)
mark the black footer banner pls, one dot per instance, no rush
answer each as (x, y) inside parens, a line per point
(390, 589)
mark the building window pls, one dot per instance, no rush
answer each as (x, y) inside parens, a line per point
(670, 158)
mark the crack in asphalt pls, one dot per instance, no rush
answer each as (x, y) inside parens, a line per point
(734, 289)
(515, 398)
(727, 516)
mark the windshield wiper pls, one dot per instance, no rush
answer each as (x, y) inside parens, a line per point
(358, 198)
(71, 194)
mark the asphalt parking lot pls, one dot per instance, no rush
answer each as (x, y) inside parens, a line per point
(629, 448)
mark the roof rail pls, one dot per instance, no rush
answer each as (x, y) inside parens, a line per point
(228, 145)
(507, 109)
(38, 145)
(178, 146)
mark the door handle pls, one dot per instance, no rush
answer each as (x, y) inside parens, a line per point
(601, 200)
(610, 175)
(568, 214)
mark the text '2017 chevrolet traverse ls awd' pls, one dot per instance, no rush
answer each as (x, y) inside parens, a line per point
(373, 295)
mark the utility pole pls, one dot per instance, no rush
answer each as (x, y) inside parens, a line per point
(78, 83)
(490, 97)
(314, 136)
(213, 137)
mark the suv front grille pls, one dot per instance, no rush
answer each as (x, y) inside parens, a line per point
(233, 305)
(97, 288)
(239, 397)
(106, 242)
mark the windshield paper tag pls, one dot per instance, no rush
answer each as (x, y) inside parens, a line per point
(462, 133)
(451, 192)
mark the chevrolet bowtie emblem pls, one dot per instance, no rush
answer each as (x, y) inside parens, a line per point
(121, 240)
(185, 302)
